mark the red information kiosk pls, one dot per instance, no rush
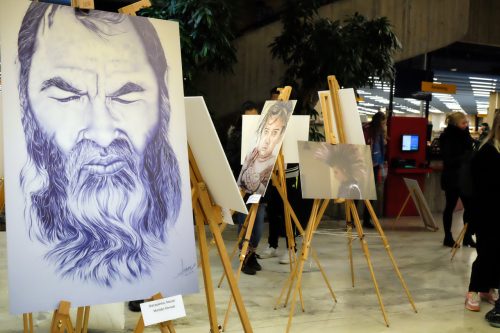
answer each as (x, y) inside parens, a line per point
(406, 149)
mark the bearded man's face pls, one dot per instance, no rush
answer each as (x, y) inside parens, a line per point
(99, 89)
(105, 197)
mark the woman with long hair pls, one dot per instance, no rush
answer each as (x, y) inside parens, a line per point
(485, 276)
(456, 146)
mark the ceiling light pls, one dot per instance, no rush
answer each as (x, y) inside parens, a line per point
(481, 78)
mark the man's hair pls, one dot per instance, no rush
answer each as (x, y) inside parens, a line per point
(48, 219)
(279, 110)
(349, 159)
(247, 106)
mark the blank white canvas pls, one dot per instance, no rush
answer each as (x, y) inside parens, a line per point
(210, 157)
(353, 129)
(297, 130)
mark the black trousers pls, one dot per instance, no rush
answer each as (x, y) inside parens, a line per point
(486, 268)
(275, 210)
(452, 197)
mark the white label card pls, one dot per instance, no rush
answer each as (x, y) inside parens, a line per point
(161, 310)
(254, 198)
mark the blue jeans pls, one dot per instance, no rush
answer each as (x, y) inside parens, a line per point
(258, 226)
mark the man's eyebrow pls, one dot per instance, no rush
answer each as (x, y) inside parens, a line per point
(127, 88)
(60, 83)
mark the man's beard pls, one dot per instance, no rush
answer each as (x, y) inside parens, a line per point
(101, 227)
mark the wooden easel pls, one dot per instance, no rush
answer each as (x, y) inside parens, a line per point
(318, 210)
(248, 225)
(278, 179)
(459, 241)
(134, 7)
(207, 213)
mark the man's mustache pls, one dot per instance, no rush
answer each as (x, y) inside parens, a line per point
(88, 157)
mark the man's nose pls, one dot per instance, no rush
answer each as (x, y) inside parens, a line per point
(102, 125)
(267, 138)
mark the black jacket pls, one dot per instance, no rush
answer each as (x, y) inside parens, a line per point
(456, 145)
(485, 169)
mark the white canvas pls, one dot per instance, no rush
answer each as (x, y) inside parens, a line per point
(353, 128)
(210, 157)
(96, 173)
(297, 130)
(266, 141)
(336, 171)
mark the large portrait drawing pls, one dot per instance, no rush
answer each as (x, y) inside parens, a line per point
(102, 179)
(261, 157)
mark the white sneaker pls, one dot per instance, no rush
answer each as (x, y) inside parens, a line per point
(285, 258)
(269, 252)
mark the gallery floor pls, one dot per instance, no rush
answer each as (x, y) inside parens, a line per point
(438, 287)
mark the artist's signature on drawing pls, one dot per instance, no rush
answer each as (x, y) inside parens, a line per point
(186, 270)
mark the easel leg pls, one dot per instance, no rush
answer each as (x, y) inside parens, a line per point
(167, 327)
(287, 286)
(205, 264)
(403, 207)
(233, 284)
(235, 248)
(364, 246)
(139, 327)
(349, 240)
(222, 227)
(300, 264)
(252, 214)
(459, 240)
(389, 252)
(323, 273)
(28, 322)
(82, 319)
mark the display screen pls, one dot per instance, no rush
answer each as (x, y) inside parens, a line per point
(409, 142)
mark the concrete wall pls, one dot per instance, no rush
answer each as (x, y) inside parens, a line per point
(483, 23)
(421, 25)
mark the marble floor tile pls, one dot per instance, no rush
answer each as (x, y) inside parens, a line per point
(437, 285)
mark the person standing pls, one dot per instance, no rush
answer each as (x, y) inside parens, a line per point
(233, 150)
(456, 146)
(376, 137)
(485, 275)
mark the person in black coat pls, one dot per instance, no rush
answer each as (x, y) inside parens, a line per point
(456, 146)
(485, 276)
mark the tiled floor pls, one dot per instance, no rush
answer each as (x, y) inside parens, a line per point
(437, 285)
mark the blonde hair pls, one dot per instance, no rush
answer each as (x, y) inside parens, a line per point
(494, 134)
(454, 118)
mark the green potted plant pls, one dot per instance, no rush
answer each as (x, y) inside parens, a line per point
(356, 50)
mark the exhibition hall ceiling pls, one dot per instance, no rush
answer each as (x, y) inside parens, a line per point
(472, 95)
